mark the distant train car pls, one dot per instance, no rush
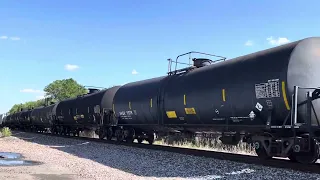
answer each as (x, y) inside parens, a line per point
(4, 119)
(7, 121)
(2, 116)
(24, 119)
(43, 118)
(87, 112)
(14, 120)
(136, 105)
(66, 112)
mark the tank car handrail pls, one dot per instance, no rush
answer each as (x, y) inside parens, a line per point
(93, 87)
(224, 58)
(314, 95)
(310, 88)
(188, 68)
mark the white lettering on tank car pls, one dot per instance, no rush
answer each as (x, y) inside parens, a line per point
(218, 119)
(129, 113)
(269, 89)
(259, 106)
(238, 119)
(122, 113)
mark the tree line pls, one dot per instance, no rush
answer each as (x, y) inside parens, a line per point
(56, 91)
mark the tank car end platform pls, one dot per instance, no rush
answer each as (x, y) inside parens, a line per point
(296, 140)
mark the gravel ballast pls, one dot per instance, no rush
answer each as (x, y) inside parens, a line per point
(64, 158)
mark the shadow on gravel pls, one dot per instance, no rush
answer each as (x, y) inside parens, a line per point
(151, 163)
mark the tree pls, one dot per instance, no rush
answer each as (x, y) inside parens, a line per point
(15, 108)
(57, 90)
(27, 105)
(63, 89)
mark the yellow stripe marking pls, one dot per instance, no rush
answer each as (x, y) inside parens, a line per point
(151, 102)
(171, 114)
(184, 100)
(129, 105)
(190, 110)
(284, 95)
(223, 94)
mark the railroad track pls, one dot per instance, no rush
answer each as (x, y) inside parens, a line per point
(249, 159)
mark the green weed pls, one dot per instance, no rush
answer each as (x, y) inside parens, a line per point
(6, 132)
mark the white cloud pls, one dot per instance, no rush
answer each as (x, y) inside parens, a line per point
(15, 38)
(71, 67)
(134, 72)
(249, 43)
(40, 93)
(277, 42)
(31, 91)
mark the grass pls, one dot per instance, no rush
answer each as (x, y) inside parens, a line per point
(5, 132)
(204, 143)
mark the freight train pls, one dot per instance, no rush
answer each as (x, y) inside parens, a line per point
(2, 117)
(268, 99)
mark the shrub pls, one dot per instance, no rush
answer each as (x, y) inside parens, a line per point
(6, 132)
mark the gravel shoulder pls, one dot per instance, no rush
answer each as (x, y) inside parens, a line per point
(69, 159)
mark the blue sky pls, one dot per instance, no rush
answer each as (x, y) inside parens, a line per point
(102, 42)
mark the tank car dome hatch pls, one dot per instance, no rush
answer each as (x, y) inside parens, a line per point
(201, 62)
(92, 90)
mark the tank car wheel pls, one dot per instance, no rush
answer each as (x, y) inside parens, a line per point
(130, 139)
(109, 133)
(130, 136)
(120, 135)
(63, 133)
(68, 131)
(52, 130)
(307, 157)
(260, 151)
(140, 140)
(292, 158)
(60, 131)
(102, 133)
(150, 139)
